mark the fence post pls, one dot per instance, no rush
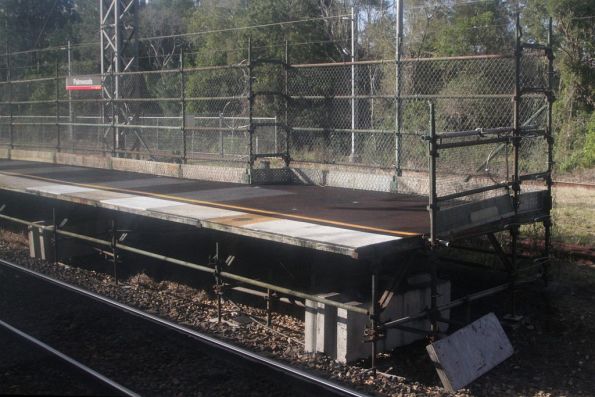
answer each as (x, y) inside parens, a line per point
(9, 78)
(516, 116)
(286, 92)
(58, 145)
(70, 111)
(250, 105)
(398, 85)
(221, 149)
(353, 101)
(183, 102)
(113, 108)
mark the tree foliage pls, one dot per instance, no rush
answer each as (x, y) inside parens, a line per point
(431, 28)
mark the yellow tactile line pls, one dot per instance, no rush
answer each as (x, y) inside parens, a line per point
(282, 215)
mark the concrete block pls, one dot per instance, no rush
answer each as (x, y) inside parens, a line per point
(214, 173)
(146, 167)
(350, 334)
(311, 313)
(4, 153)
(336, 177)
(321, 325)
(470, 352)
(39, 243)
(83, 160)
(412, 301)
(33, 155)
(326, 325)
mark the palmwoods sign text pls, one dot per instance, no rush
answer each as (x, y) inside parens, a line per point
(83, 83)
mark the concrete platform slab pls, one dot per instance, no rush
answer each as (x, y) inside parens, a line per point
(94, 196)
(359, 224)
(18, 184)
(139, 203)
(56, 189)
(198, 212)
(315, 232)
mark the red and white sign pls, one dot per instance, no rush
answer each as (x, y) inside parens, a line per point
(83, 83)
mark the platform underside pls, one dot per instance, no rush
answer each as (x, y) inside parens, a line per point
(360, 224)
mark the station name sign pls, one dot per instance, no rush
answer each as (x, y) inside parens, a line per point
(83, 83)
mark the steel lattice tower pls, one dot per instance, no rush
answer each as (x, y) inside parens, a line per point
(119, 53)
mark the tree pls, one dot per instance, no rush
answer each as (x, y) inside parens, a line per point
(574, 30)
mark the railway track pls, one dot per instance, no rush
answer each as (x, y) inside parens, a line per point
(91, 381)
(133, 352)
(563, 184)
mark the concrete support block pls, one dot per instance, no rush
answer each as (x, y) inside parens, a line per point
(412, 301)
(326, 326)
(340, 333)
(350, 334)
(4, 153)
(214, 173)
(311, 313)
(146, 167)
(40, 243)
(81, 160)
(321, 325)
(340, 178)
(33, 155)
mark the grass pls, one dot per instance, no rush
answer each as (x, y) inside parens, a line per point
(574, 216)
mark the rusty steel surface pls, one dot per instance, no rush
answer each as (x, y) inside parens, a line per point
(379, 212)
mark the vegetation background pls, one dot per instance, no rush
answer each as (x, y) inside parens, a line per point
(432, 29)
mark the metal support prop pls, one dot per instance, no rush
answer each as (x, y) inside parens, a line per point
(114, 242)
(55, 234)
(547, 224)
(183, 104)
(58, 143)
(269, 307)
(207, 269)
(398, 84)
(433, 209)
(432, 156)
(374, 318)
(500, 252)
(218, 287)
(514, 234)
(516, 114)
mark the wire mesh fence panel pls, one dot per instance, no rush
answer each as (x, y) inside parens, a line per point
(372, 113)
(217, 111)
(343, 107)
(34, 125)
(5, 112)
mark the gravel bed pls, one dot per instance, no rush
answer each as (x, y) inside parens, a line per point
(145, 357)
(530, 372)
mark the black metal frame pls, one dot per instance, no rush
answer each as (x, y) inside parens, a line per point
(510, 261)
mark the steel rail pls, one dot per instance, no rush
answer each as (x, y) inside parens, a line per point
(78, 365)
(206, 339)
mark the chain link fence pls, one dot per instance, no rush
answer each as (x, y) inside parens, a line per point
(366, 113)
